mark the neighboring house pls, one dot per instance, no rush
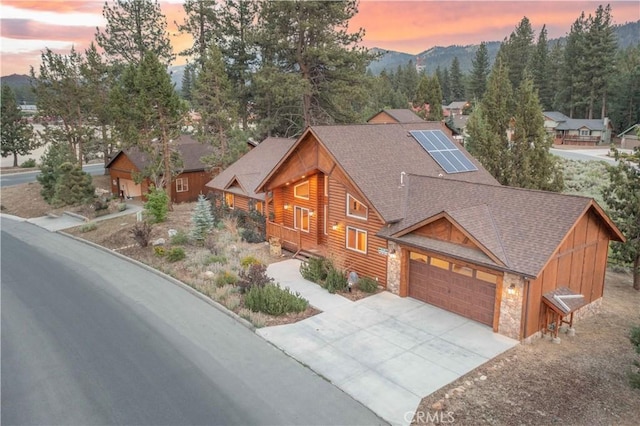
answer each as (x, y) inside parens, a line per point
(395, 116)
(455, 108)
(458, 126)
(577, 131)
(237, 183)
(629, 138)
(407, 206)
(126, 163)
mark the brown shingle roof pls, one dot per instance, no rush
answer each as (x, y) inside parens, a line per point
(252, 167)
(191, 151)
(402, 115)
(375, 155)
(521, 227)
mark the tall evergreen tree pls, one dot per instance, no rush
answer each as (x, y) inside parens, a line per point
(201, 23)
(479, 73)
(625, 89)
(556, 65)
(151, 115)
(488, 125)
(187, 82)
(237, 29)
(310, 40)
(601, 51)
(447, 96)
(573, 83)
(213, 99)
(532, 165)
(134, 27)
(456, 81)
(17, 134)
(62, 92)
(516, 52)
(541, 70)
(434, 99)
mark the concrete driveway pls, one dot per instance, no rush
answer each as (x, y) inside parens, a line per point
(385, 351)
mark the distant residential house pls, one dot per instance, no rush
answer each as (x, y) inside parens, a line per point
(386, 116)
(629, 138)
(454, 108)
(236, 184)
(127, 163)
(577, 131)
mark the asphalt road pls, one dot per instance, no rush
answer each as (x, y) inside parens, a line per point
(25, 177)
(89, 338)
(573, 155)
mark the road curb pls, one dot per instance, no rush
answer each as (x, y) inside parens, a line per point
(169, 278)
(76, 216)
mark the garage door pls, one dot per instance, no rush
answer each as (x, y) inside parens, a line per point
(464, 291)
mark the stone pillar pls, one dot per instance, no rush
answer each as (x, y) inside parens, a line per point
(394, 262)
(511, 306)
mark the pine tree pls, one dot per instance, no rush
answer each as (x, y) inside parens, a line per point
(556, 65)
(456, 81)
(134, 28)
(17, 134)
(201, 22)
(573, 83)
(532, 165)
(625, 89)
(187, 83)
(488, 125)
(62, 92)
(601, 51)
(73, 186)
(56, 153)
(516, 52)
(434, 99)
(622, 196)
(447, 97)
(202, 220)
(479, 73)
(541, 70)
(150, 117)
(311, 41)
(213, 99)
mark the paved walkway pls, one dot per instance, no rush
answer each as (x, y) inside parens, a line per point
(69, 220)
(385, 351)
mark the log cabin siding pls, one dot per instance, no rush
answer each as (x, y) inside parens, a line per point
(383, 118)
(372, 264)
(197, 181)
(579, 263)
(309, 239)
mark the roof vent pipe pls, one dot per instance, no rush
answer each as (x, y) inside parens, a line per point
(402, 175)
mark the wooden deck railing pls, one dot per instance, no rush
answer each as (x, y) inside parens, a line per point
(580, 140)
(289, 237)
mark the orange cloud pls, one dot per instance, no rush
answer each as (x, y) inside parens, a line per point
(57, 6)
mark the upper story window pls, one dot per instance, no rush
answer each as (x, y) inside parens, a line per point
(326, 185)
(301, 190)
(182, 185)
(355, 208)
(229, 199)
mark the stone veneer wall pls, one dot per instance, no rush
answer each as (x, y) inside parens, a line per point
(511, 306)
(393, 268)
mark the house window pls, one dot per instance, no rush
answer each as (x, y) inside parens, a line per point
(259, 207)
(439, 263)
(326, 186)
(462, 270)
(418, 257)
(229, 199)
(325, 214)
(182, 185)
(585, 132)
(301, 219)
(301, 190)
(356, 239)
(490, 278)
(355, 208)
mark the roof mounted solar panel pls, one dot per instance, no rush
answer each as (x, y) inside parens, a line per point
(443, 151)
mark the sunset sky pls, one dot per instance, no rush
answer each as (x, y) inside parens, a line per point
(27, 27)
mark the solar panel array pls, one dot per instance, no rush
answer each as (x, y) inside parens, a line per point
(444, 151)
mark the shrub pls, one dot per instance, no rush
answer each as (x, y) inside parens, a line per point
(73, 186)
(159, 251)
(141, 232)
(157, 205)
(254, 276)
(122, 207)
(252, 236)
(225, 278)
(175, 254)
(336, 280)
(635, 341)
(367, 284)
(247, 261)
(180, 239)
(202, 220)
(215, 259)
(91, 226)
(274, 300)
(28, 163)
(315, 269)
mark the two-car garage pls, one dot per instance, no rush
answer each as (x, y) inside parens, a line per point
(460, 289)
